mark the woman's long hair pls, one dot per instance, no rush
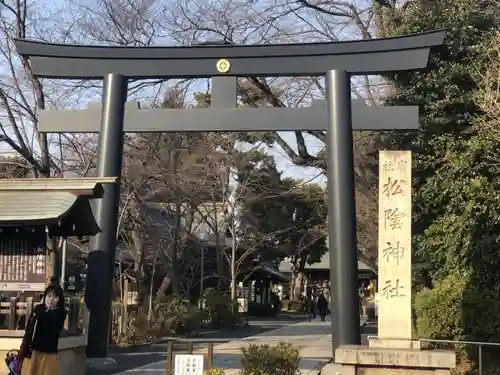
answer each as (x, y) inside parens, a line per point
(57, 290)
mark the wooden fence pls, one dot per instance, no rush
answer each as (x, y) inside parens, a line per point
(14, 313)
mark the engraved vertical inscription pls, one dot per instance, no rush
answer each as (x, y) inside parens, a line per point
(394, 253)
(393, 218)
(393, 187)
(393, 288)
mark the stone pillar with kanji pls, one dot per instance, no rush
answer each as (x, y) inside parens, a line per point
(396, 349)
(394, 246)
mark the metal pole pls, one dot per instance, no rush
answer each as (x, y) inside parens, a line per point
(342, 212)
(101, 260)
(63, 262)
(234, 244)
(170, 358)
(202, 276)
(480, 360)
(55, 258)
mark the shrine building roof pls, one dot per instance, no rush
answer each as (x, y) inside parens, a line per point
(63, 204)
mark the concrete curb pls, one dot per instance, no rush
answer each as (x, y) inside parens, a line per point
(163, 340)
(318, 368)
(107, 363)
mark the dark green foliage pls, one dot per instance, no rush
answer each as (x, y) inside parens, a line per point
(279, 217)
(171, 316)
(260, 310)
(439, 310)
(456, 308)
(463, 204)
(221, 311)
(282, 359)
(261, 201)
(456, 201)
(444, 91)
(308, 216)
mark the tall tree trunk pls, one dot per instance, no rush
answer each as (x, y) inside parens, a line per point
(233, 261)
(173, 278)
(165, 284)
(293, 291)
(302, 283)
(139, 266)
(218, 249)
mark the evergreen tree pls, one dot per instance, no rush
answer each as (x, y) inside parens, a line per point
(456, 200)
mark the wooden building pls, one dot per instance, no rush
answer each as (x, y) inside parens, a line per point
(34, 215)
(317, 275)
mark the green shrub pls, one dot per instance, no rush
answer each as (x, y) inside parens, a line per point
(481, 311)
(438, 311)
(461, 308)
(458, 308)
(221, 311)
(172, 316)
(214, 371)
(261, 310)
(282, 359)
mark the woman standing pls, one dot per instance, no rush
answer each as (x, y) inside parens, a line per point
(39, 348)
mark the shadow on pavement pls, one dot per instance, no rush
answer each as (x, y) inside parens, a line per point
(137, 356)
(141, 355)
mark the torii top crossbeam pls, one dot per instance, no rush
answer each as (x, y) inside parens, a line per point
(310, 59)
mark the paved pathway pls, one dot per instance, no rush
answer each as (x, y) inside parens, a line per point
(313, 338)
(142, 355)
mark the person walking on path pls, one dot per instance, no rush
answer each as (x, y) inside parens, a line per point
(310, 306)
(322, 306)
(39, 346)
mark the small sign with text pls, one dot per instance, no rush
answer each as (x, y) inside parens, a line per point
(188, 364)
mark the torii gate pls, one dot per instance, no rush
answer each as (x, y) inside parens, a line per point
(335, 61)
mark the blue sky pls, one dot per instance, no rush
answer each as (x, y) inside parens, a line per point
(283, 162)
(55, 16)
(291, 170)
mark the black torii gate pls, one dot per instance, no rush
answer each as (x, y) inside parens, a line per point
(335, 61)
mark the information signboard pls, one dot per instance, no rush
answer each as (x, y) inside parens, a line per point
(22, 265)
(188, 364)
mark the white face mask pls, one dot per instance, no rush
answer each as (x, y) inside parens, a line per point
(51, 300)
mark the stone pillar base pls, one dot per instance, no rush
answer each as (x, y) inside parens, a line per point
(365, 360)
(375, 342)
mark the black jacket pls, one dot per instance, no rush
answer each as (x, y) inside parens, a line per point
(44, 328)
(322, 302)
